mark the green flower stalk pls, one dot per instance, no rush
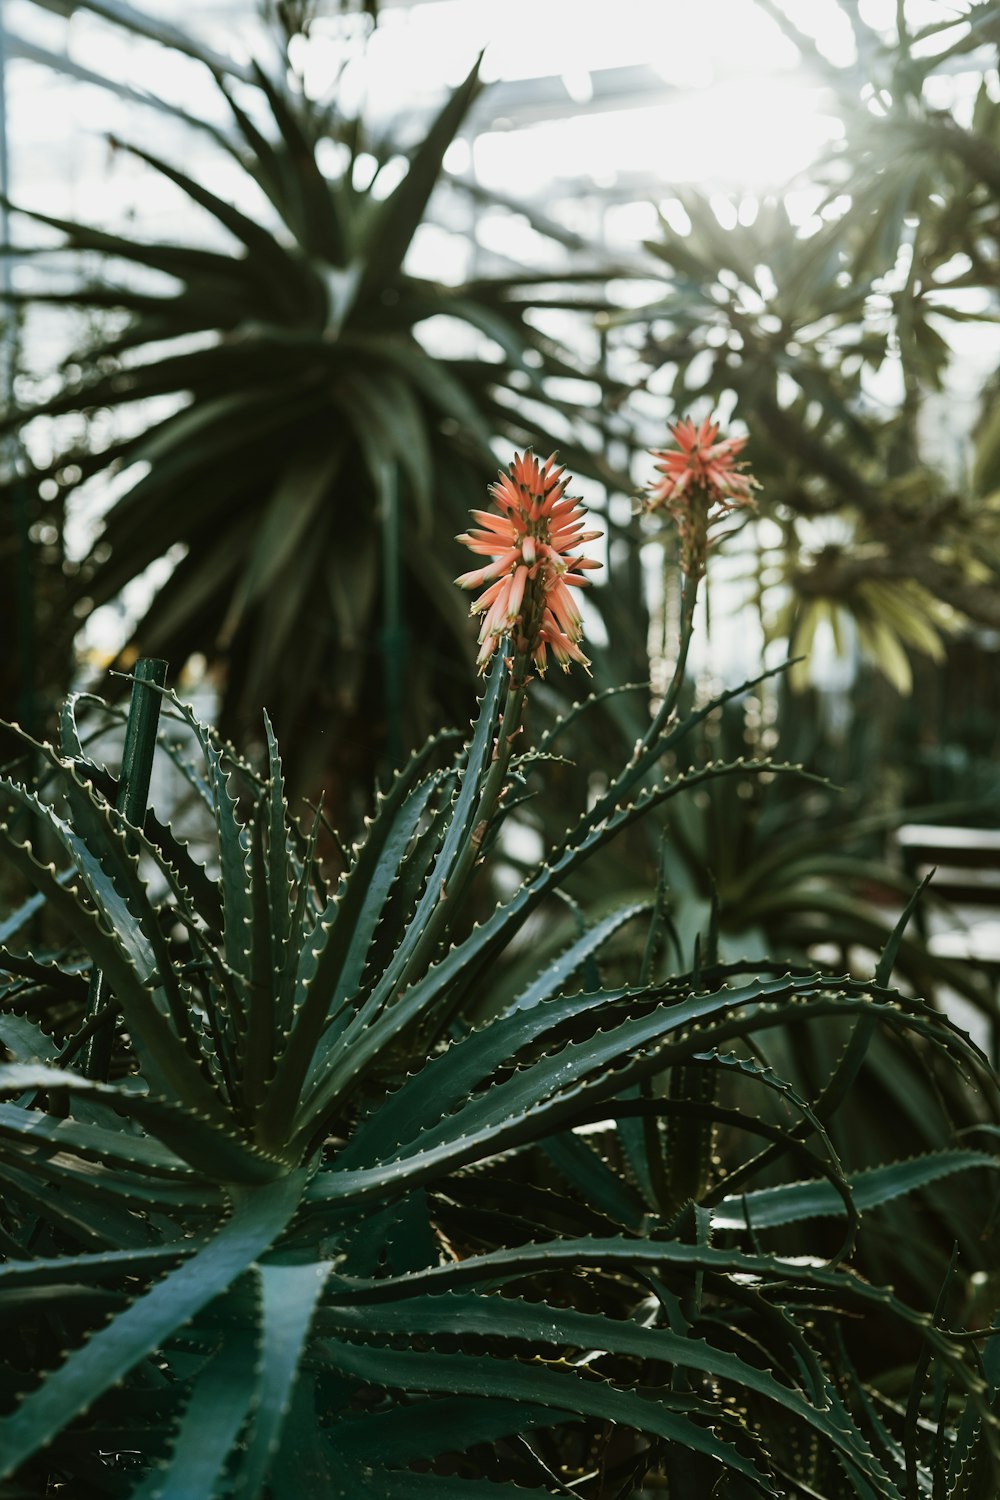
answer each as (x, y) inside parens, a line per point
(701, 483)
(528, 604)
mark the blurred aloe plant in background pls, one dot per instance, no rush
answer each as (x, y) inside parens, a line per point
(355, 1213)
(318, 460)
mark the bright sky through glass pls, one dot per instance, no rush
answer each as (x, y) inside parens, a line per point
(738, 110)
(736, 106)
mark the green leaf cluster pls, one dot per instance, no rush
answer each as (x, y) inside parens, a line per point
(323, 1230)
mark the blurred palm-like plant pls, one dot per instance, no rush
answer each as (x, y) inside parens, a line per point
(304, 1227)
(792, 325)
(310, 427)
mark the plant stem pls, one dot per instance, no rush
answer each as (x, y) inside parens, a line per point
(486, 810)
(647, 751)
(496, 776)
(689, 599)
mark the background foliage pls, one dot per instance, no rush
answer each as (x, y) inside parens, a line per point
(831, 342)
(829, 339)
(315, 461)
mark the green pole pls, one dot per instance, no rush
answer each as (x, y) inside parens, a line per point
(130, 800)
(393, 632)
(26, 707)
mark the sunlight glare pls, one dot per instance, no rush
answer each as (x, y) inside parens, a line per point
(733, 135)
(738, 109)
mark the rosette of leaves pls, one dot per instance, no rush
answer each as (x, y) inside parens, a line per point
(781, 872)
(793, 868)
(316, 1233)
(319, 460)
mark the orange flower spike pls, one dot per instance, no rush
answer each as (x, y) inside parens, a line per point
(529, 538)
(701, 483)
(700, 462)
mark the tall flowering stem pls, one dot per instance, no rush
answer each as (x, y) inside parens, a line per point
(700, 483)
(528, 601)
(490, 798)
(529, 610)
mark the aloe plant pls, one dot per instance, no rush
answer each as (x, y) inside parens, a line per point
(320, 1235)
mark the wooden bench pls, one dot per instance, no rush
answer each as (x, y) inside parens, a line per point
(965, 861)
(966, 873)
